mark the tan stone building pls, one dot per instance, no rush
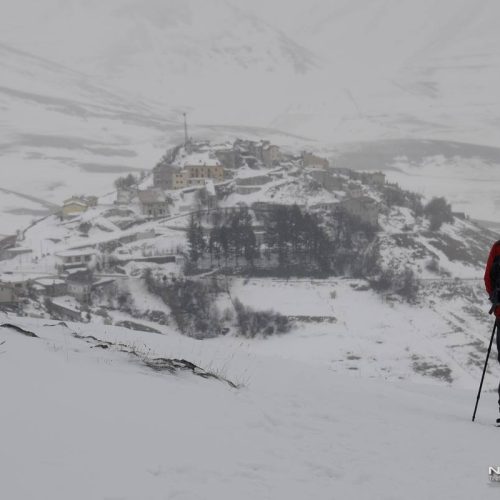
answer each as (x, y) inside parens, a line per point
(213, 171)
(190, 173)
(271, 154)
(73, 206)
(327, 180)
(179, 180)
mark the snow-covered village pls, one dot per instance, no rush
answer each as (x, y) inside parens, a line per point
(249, 250)
(215, 216)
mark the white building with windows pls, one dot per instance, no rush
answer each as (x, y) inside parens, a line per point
(71, 259)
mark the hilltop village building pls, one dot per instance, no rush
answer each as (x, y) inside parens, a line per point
(8, 294)
(73, 206)
(71, 259)
(253, 152)
(194, 164)
(6, 243)
(154, 203)
(18, 281)
(76, 205)
(311, 160)
(194, 172)
(52, 287)
(327, 179)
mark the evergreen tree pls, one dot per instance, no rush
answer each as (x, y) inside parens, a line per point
(224, 242)
(248, 239)
(278, 233)
(235, 235)
(439, 211)
(196, 240)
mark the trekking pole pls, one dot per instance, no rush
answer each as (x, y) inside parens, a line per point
(484, 370)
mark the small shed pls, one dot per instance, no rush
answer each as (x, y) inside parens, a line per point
(52, 287)
(8, 294)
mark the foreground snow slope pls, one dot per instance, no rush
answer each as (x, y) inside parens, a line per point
(83, 422)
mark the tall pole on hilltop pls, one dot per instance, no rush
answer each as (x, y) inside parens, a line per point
(186, 138)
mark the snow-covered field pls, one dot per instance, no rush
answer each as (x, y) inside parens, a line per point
(82, 422)
(355, 331)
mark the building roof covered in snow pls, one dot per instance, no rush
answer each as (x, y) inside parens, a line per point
(76, 252)
(197, 159)
(152, 196)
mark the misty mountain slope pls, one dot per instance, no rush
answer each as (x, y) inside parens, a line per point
(60, 133)
(179, 36)
(179, 52)
(371, 70)
(423, 29)
(294, 430)
(402, 68)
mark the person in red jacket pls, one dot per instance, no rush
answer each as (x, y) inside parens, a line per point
(492, 275)
(492, 284)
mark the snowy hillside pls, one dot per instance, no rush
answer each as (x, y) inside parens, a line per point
(294, 429)
(427, 280)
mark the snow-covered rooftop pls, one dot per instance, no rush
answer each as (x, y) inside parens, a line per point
(77, 252)
(49, 281)
(196, 159)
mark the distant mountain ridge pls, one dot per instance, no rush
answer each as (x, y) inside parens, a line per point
(167, 38)
(333, 71)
